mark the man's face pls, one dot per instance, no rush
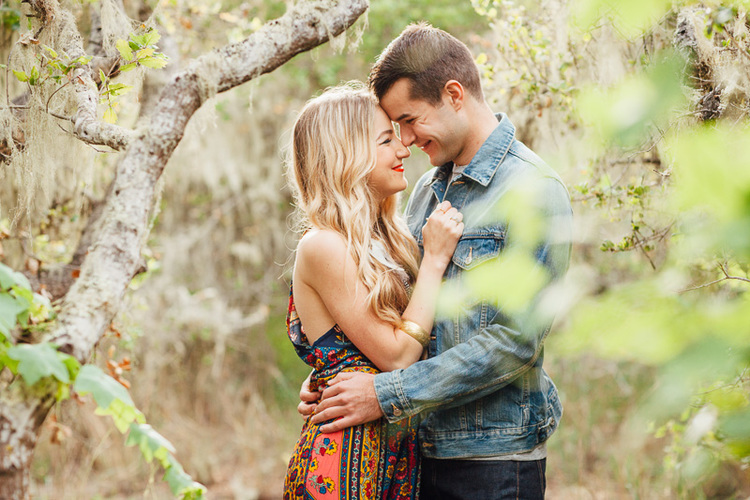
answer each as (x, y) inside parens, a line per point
(431, 128)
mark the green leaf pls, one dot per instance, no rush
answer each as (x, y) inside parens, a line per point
(139, 41)
(41, 308)
(71, 364)
(110, 115)
(147, 52)
(105, 390)
(124, 48)
(51, 51)
(6, 361)
(36, 361)
(153, 62)
(180, 482)
(102, 76)
(21, 280)
(151, 38)
(23, 293)
(24, 298)
(82, 60)
(22, 77)
(7, 277)
(119, 88)
(34, 77)
(10, 308)
(128, 67)
(123, 414)
(151, 443)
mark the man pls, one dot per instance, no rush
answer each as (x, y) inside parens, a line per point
(488, 405)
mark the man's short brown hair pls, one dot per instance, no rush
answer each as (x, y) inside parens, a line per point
(429, 57)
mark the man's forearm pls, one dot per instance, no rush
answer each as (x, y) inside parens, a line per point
(443, 381)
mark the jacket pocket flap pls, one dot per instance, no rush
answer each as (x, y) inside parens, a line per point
(478, 246)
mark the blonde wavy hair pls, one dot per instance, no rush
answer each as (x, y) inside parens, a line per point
(333, 152)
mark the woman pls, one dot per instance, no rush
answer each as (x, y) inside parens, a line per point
(358, 300)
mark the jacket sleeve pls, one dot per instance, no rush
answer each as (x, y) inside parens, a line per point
(506, 347)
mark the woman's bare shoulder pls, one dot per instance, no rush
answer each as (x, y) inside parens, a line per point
(319, 247)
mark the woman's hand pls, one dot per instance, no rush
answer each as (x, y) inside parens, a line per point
(441, 233)
(308, 399)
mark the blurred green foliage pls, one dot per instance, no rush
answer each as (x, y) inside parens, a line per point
(689, 324)
(10, 17)
(665, 135)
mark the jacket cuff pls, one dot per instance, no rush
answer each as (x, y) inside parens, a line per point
(391, 398)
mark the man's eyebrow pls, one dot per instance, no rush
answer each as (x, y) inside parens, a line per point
(404, 115)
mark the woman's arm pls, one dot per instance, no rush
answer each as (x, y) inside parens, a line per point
(325, 268)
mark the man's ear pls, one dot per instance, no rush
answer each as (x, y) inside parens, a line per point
(453, 94)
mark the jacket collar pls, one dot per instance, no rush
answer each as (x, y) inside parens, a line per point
(489, 157)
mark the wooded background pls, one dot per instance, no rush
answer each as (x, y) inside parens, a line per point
(641, 106)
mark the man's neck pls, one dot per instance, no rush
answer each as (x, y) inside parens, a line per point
(483, 122)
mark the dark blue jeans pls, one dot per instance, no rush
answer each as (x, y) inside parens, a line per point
(482, 480)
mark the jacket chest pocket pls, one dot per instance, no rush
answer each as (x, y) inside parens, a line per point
(475, 247)
(478, 246)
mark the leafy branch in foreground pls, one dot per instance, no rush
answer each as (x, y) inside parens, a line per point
(41, 364)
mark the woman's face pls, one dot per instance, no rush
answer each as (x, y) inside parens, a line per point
(387, 178)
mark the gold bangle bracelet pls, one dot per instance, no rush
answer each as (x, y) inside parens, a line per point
(416, 332)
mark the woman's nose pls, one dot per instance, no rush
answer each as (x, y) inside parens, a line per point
(403, 151)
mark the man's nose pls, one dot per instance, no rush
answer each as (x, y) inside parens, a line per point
(407, 135)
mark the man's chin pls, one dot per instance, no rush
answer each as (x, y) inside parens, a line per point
(437, 161)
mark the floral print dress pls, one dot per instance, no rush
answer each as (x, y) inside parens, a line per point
(376, 460)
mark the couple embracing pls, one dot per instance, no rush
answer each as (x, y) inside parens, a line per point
(406, 401)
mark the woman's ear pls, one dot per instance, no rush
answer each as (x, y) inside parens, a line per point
(453, 94)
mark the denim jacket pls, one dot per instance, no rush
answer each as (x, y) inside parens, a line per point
(482, 389)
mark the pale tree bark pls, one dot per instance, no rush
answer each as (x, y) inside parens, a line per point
(113, 258)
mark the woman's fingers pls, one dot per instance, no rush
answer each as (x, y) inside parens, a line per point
(443, 206)
(306, 409)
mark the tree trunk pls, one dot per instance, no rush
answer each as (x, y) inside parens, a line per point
(21, 418)
(114, 256)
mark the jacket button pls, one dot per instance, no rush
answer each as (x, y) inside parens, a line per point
(396, 410)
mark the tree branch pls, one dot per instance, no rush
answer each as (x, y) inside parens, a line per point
(727, 277)
(114, 258)
(87, 126)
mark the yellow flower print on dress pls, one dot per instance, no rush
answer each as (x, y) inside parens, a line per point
(322, 484)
